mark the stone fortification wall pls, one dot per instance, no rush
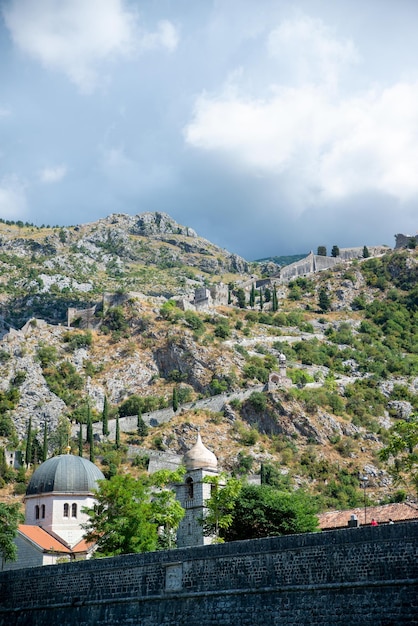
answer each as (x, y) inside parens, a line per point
(316, 263)
(339, 578)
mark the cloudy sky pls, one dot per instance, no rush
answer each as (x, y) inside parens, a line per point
(268, 126)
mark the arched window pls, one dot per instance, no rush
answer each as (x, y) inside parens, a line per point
(73, 510)
(189, 487)
(36, 512)
(43, 511)
(66, 509)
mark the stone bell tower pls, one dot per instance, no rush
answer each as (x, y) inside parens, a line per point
(193, 493)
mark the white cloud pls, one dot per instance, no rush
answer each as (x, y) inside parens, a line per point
(52, 174)
(12, 198)
(328, 145)
(77, 36)
(312, 51)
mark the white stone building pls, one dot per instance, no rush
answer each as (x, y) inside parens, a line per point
(193, 493)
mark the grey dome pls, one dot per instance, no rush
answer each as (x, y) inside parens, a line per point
(64, 474)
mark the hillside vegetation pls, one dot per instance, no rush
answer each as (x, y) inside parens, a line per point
(350, 336)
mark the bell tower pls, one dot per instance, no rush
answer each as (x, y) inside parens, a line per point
(193, 493)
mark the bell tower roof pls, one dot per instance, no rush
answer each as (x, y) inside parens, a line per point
(199, 457)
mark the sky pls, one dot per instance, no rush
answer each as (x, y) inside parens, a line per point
(269, 126)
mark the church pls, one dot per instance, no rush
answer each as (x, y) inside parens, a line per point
(63, 485)
(57, 493)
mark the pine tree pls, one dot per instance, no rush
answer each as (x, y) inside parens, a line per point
(324, 300)
(28, 451)
(105, 417)
(45, 444)
(175, 400)
(117, 433)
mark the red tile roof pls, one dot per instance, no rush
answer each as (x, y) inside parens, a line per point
(398, 512)
(43, 539)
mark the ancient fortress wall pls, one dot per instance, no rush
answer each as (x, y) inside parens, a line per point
(347, 577)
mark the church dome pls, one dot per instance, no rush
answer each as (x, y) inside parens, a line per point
(199, 457)
(64, 474)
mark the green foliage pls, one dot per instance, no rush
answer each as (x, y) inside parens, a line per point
(258, 401)
(10, 518)
(64, 380)
(324, 300)
(222, 329)
(263, 511)
(224, 493)
(77, 340)
(366, 252)
(401, 453)
(335, 251)
(322, 251)
(137, 404)
(195, 322)
(47, 355)
(121, 520)
(175, 400)
(114, 319)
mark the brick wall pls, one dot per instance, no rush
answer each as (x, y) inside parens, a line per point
(352, 577)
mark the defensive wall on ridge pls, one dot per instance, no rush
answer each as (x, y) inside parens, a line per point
(348, 577)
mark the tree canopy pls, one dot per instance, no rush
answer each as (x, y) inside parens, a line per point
(10, 518)
(263, 511)
(129, 512)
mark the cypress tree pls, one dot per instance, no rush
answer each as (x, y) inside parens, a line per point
(28, 451)
(252, 296)
(366, 252)
(274, 303)
(175, 399)
(80, 439)
(117, 434)
(92, 450)
(105, 417)
(89, 437)
(142, 428)
(45, 444)
(261, 300)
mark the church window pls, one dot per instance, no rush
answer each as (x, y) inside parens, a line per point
(43, 511)
(66, 510)
(36, 512)
(189, 487)
(73, 510)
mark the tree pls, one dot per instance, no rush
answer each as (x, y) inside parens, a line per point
(45, 443)
(141, 427)
(267, 294)
(10, 518)
(324, 300)
(129, 512)
(402, 452)
(105, 417)
(117, 433)
(80, 439)
(274, 303)
(28, 449)
(241, 298)
(120, 522)
(252, 296)
(263, 511)
(322, 251)
(261, 302)
(335, 251)
(366, 252)
(175, 400)
(220, 505)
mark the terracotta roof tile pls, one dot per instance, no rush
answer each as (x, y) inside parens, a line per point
(398, 512)
(43, 539)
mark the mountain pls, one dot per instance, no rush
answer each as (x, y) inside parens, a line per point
(137, 334)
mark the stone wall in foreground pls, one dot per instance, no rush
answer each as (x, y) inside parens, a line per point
(348, 577)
